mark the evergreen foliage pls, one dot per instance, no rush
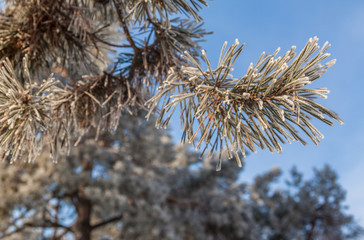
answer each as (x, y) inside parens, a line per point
(116, 56)
(80, 73)
(136, 184)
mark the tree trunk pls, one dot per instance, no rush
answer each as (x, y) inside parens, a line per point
(310, 234)
(82, 228)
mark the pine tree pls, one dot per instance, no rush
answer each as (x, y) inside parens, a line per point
(136, 184)
(104, 58)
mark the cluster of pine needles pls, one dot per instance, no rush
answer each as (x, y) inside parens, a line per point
(119, 56)
(261, 109)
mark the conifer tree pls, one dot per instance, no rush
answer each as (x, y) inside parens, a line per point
(137, 184)
(69, 67)
(78, 72)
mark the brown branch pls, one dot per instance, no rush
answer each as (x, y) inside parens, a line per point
(56, 218)
(313, 223)
(17, 229)
(125, 27)
(46, 224)
(110, 44)
(12, 224)
(310, 234)
(110, 220)
(150, 19)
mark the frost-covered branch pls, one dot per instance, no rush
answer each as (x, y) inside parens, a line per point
(263, 108)
(160, 63)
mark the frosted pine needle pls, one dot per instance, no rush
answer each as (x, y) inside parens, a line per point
(24, 114)
(264, 108)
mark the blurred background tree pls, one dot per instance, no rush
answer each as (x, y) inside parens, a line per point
(137, 184)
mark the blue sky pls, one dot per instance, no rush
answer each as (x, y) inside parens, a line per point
(266, 25)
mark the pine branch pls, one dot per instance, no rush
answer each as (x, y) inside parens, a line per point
(36, 115)
(50, 32)
(148, 61)
(119, 8)
(266, 107)
(164, 7)
(97, 103)
(110, 220)
(24, 114)
(45, 224)
(261, 109)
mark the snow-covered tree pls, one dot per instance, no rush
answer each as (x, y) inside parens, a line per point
(135, 184)
(311, 209)
(79, 72)
(115, 56)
